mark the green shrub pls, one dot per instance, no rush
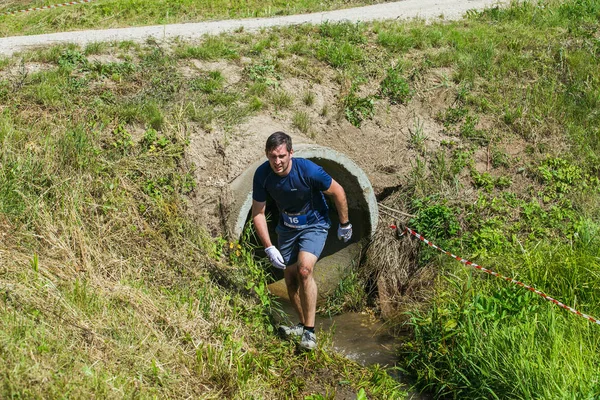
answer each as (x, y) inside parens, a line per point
(263, 72)
(434, 221)
(562, 177)
(395, 87)
(357, 109)
(281, 99)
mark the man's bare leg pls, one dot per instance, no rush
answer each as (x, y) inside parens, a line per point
(307, 287)
(291, 282)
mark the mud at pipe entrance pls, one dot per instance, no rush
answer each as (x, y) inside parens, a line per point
(337, 256)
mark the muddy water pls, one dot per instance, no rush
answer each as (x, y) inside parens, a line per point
(361, 338)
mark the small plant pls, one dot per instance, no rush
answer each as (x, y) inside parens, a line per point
(499, 158)
(281, 99)
(503, 182)
(301, 121)
(265, 43)
(460, 159)
(395, 88)
(122, 140)
(255, 104)
(439, 167)
(152, 114)
(343, 31)
(482, 180)
(434, 220)
(152, 141)
(487, 182)
(469, 131)
(453, 116)
(114, 70)
(263, 73)
(212, 48)
(357, 109)
(208, 84)
(512, 114)
(223, 98)
(563, 177)
(448, 143)
(395, 40)
(308, 98)
(417, 175)
(35, 263)
(159, 187)
(149, 138)
(258, 89)
(339, 55)
(299, 47)
(417, 135)
(324, 111)
(462, 92)
(71, 59)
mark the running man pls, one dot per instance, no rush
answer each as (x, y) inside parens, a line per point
(297, 186)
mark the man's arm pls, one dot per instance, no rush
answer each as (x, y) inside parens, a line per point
(262, 230)
(260, 222)
(337, 193)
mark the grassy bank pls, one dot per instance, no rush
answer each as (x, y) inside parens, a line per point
(117, 14)
(110, 285)
(533, 71)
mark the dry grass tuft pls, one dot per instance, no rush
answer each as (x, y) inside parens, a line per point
(391, 264)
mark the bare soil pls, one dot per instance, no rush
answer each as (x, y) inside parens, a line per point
(381, 146)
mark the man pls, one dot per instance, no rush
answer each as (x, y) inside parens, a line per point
(297, 186)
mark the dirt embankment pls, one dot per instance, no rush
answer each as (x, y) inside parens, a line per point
(384, 146)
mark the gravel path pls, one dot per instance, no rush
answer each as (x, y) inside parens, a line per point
(425, 9)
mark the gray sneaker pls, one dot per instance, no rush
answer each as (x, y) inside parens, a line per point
(290, 331)
(309, 340)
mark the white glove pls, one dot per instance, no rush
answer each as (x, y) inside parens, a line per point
(344, 232)
(275, 257)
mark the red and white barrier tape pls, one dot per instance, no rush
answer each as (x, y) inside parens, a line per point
(70, 3)
(487, 271)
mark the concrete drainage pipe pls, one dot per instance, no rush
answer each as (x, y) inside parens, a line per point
(337, 256)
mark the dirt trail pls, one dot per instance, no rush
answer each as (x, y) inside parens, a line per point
(425, 9)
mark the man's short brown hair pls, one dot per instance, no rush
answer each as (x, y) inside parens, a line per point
(277, 139)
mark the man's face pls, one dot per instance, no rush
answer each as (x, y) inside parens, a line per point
(280, 160)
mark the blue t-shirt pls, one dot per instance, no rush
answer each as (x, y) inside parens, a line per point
(298, 195)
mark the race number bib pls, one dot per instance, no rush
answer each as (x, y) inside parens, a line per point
(295, 220)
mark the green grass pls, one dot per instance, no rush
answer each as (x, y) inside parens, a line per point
(486, 336)
(357, 109)
(108, 286)
(94, 185)
(301, 121)
(481, 336)
(395, 87)
(113, 14)
(417, 136)
(281, 99)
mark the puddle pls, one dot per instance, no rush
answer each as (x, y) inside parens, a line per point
(361, 338)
